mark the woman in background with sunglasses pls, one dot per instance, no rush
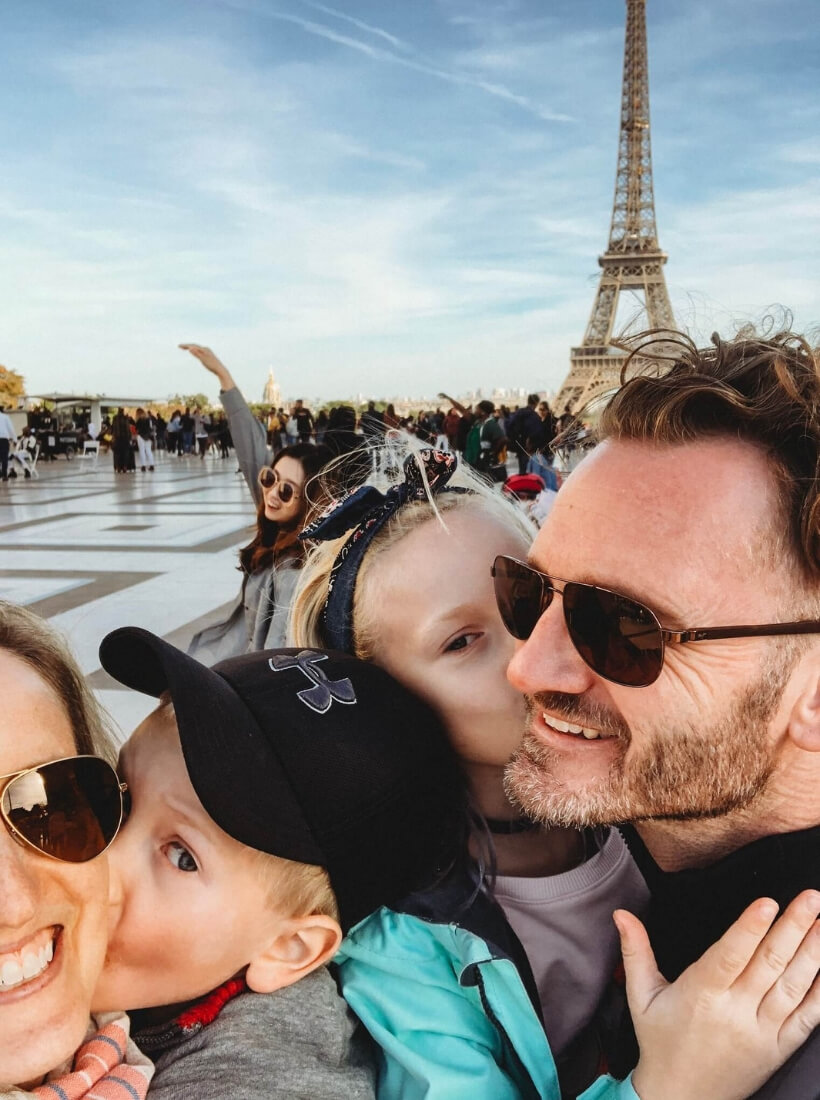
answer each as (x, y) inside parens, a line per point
(271, 561)
(61, 805)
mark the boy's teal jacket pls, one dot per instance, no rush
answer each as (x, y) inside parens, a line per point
(455, 1014)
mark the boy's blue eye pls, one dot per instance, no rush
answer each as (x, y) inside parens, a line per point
(461, 642)
(181, 858)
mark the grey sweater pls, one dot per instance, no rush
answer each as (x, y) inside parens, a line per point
(258, 618)
(299, 1043)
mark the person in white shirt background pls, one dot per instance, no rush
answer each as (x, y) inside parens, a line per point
(7, 437)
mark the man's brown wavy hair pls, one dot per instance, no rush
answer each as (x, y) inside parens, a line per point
(761, 389)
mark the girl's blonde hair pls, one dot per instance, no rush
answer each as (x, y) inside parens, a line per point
(305, 621)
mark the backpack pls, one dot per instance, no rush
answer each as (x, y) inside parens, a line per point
(472, 447)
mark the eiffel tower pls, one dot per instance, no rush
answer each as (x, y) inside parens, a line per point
(633, 259)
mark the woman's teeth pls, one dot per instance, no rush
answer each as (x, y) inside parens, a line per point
(570, 727)
(21, 966)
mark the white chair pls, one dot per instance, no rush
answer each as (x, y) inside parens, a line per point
(91, 453)
(26, 459)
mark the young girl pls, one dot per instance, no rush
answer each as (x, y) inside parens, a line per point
(442, 981)
(270, 563)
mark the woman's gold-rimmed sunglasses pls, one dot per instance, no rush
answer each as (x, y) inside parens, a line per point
(268, 478)
(618, 637)
(68, 809)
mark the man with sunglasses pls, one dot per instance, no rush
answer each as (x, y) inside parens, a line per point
(670, 615)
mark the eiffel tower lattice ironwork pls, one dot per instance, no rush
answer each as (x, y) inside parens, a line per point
(633, 259)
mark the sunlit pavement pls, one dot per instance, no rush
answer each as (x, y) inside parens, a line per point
(92, 550)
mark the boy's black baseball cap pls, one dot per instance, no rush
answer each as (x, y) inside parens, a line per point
(313, 756)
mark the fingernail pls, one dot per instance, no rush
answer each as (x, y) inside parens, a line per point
(768, 909)
(812, 902)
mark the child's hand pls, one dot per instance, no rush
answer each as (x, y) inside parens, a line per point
(734, 1016)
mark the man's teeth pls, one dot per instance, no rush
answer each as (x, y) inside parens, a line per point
(570, 727)
(21, 966)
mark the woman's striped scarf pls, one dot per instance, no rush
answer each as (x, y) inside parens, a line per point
(107, 1066)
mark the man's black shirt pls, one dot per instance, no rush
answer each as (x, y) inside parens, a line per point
(690, 910)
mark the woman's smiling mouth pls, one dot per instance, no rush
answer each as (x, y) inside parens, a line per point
(26, 962)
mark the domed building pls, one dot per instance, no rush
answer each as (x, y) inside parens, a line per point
(272, 394)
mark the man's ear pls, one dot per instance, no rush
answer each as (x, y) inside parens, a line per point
(804, 720)
(301, 945)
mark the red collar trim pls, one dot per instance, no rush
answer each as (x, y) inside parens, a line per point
(207, 1010)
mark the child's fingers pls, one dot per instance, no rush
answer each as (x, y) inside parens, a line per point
(774, 956)
(802, 1022)
(725, 961)
(643, 979)
(792, 992)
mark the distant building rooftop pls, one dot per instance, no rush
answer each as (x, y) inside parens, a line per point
(88, 398)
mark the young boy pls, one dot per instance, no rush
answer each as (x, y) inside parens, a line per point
(278, 798)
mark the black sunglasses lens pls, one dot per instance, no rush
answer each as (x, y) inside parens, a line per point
(285, 492)
(70, 809)
(266, 477)
(618, 638)
(522, 596)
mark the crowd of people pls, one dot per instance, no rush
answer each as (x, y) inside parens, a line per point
(134, 439)
(485, 435)
(449, 806)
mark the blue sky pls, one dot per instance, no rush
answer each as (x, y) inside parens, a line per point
(383, 197)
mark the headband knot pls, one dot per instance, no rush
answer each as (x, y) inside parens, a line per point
(364, 512)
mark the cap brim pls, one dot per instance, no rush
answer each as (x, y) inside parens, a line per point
(236, 776)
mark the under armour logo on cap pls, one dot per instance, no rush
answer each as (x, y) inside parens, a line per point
(319, 697)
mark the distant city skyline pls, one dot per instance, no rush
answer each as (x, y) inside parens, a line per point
(384, 196)
(272, 394)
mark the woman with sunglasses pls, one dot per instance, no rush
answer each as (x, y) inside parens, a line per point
(459, 1008)
(61, 805)
(271, 561)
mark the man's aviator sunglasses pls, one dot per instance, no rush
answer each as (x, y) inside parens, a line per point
(268, 477)
(617, 637)
(69, 809)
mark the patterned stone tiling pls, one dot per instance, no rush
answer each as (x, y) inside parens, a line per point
(91, 550)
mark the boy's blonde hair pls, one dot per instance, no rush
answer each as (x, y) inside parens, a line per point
(305, 620)
(294, 889)
(297, 889)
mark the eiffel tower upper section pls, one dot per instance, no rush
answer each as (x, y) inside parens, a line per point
(633, 259)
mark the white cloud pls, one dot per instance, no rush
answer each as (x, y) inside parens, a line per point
(358, 225)
(368, 28)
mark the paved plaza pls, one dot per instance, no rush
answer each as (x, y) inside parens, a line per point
(92, 550)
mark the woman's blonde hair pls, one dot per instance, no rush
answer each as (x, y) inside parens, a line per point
(305, 621)
(32, 640)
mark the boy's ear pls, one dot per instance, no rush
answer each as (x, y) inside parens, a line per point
(300, 946)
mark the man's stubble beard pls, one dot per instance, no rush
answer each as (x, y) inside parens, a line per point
(679, 773)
